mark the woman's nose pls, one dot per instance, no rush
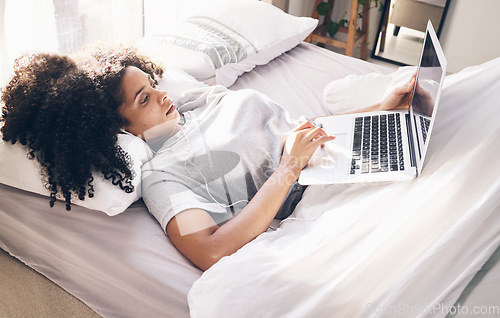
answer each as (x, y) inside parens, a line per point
(162, 95)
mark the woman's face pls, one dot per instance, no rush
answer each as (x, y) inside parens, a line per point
(147, 108)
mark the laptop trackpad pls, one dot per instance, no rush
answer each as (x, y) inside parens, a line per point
(330, 163)
(335, 153)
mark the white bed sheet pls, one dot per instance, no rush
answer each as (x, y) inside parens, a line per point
(381, 250)
(296, 80)
(125, 266)
(482, 295)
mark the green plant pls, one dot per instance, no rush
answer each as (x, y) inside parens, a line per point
(332, 27)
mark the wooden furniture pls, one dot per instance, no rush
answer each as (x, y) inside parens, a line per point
(355, 37)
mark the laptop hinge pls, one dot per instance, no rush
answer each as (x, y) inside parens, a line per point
(413, 160)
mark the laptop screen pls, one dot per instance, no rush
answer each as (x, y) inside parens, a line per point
(426, 93)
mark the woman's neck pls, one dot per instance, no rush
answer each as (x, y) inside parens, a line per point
(157, 141)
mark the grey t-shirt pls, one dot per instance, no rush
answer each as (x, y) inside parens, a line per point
(229, 145)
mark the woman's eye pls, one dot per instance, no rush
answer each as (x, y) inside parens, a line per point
(145, 100)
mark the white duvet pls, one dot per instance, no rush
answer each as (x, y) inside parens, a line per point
(392, 249)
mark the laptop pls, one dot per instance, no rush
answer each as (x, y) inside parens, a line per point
(386, 145)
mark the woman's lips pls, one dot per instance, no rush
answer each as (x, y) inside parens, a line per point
(171, 109)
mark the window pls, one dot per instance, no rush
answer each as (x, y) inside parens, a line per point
(64, 26)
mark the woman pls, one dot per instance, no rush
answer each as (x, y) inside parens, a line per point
(183, 191)
(65, 111)
(68, 114)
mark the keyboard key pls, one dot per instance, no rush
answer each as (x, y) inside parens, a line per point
(365, 168)
(377, 144)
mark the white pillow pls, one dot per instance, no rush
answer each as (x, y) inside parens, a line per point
(176, 82)
(16, 170)
(228, 39)
(354, 92)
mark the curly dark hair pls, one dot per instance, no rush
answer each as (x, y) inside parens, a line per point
(65, 111)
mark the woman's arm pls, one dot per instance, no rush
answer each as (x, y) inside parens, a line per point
(196, 235)
(400, 98)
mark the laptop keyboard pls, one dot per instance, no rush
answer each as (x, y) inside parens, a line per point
(377, 144)
(424, 124)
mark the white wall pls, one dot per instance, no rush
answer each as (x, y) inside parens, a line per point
(282, 4)
(470, 34)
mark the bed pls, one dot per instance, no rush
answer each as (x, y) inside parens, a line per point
(426, 248)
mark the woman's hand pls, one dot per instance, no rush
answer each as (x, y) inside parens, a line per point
(400, 98)
(300, 146)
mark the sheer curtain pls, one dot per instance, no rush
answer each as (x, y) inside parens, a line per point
(66, 25)
(3, 50)
(28, 26)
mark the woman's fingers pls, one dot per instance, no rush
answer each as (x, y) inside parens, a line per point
(407, 88)
(304, 125)
(309, 132)
(317, 135)
(321, 140)
(314, 133)
(300, 145)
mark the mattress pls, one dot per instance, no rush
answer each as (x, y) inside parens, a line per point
(125, 266)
